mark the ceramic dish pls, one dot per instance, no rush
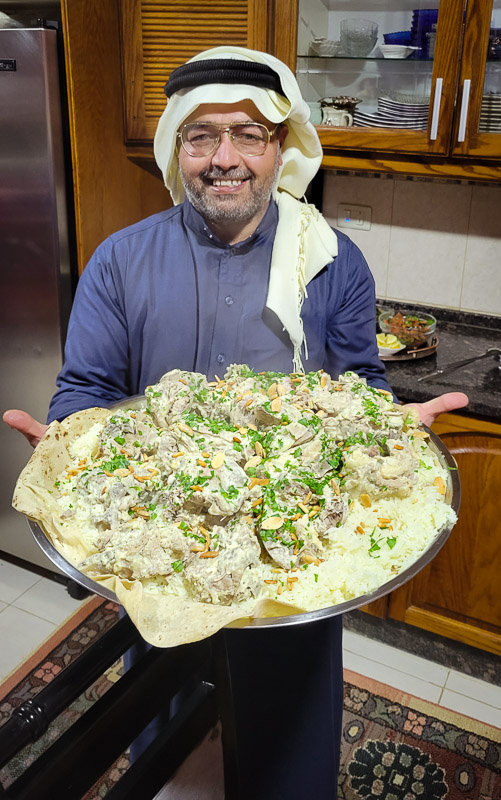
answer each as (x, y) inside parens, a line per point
(396, 50)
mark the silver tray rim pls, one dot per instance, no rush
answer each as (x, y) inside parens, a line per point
(452, 497)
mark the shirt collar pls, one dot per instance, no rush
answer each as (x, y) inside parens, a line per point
(196, 223)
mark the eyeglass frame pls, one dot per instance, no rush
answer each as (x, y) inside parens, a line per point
(227, 129)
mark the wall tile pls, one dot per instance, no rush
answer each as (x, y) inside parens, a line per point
(376, 193)
(482, 275)
(428, 242)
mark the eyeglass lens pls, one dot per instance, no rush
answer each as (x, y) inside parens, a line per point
(202, 139)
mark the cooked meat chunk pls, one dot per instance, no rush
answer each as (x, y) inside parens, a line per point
(220, 579)
(132, 433)
(380, 475)
(138, 550)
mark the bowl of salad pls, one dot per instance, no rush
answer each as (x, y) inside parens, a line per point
(414, 329)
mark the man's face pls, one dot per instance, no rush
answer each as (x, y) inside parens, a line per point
(227, 186)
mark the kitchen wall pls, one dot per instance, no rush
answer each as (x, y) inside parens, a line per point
(431, 242)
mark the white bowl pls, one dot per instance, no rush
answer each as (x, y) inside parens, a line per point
(324, 47)
(396, 50)
(390, 351)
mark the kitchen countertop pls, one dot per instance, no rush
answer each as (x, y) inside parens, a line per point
(460, 336)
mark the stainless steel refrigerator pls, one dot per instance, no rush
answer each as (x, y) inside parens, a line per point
(35, 274)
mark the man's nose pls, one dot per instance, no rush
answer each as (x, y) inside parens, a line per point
(226, 155)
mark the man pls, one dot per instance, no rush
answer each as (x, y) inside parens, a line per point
(239, 271)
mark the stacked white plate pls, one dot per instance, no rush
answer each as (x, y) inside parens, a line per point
(394, 114)
(490, 114)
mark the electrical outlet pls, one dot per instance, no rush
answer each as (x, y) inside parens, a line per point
(353, 216)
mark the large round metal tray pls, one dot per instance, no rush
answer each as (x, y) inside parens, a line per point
(452, 497)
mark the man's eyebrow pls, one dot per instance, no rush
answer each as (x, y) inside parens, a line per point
(233, 122)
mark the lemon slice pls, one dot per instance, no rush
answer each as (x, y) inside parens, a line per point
(387, 340)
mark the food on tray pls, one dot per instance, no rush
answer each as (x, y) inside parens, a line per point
(413, 330)
(257, 494)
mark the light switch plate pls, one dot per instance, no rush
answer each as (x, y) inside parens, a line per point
(350, 215)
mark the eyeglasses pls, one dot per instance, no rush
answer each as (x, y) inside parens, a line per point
(200, 139)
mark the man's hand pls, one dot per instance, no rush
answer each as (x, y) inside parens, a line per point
(22, 422)
(430, 410)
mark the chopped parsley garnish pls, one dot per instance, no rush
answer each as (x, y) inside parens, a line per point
(119, 462)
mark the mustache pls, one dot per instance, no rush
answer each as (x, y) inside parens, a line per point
(213, 173)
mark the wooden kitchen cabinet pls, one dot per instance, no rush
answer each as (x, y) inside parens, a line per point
(157, 36)
(461, 80)
(458, 594)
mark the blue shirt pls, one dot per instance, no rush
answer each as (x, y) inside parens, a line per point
(166, 293)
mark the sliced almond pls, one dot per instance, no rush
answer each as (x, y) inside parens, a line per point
(276, 405)
(439, 484)
(258, 447)
(272, 523)
(420, 434)
(272, 391)
(218, 460)
(365, 500)
(398, 447)
(185, 428)
(323, 381)
(281, 389)
(209, 554)
(121, 473)
(197, 548)
(252, 462)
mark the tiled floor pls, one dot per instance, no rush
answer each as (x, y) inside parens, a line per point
(32, 607)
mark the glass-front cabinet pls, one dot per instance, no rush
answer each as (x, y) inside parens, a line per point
(403, 76)
(478, 125)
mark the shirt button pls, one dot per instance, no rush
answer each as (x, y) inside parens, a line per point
(233, 251)
(228, 300)
(220, 358)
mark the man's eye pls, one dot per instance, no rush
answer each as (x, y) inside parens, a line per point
(200, 138)
(247, 137)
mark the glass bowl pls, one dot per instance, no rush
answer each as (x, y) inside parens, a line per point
(413, 328)
(358, 37)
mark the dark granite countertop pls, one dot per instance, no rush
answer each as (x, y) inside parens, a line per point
(460, 336)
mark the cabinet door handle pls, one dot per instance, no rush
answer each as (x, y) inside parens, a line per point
(465, 101)
(436, 108)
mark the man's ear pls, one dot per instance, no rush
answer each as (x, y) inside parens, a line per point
(282, 133)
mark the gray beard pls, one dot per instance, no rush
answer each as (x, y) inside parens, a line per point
(223, 209)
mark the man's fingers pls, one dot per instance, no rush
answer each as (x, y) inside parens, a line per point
(449, 401)
(24, 423)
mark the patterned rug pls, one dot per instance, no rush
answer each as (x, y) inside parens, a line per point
(394, 746)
